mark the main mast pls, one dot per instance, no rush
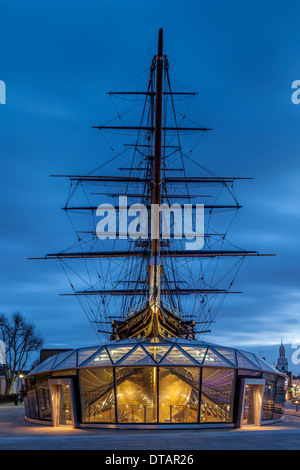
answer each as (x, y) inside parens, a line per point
(155, 264)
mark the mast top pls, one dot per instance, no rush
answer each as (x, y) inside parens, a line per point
(160, 43)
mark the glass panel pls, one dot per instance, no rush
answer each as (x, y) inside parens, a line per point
(197, 353)
(84, 354)
(162, 340)
(212, 359)
(157, 352)
(69, 362)
(61, 357)
(182, 341)
(43, 395)
(269, 396)
(217, 395)
(138, 357)
(65, 409)
(116, 353)
(97, 395)
(178, 394)
(229, 354)
(279, 398)
(248, 415)
(136, 394)
(251, 358)
(244, 363)
(264, 365)
(46, 365)
(31, 405)
(175, 356)
(101, 359)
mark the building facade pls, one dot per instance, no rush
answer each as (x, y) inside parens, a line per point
(18, 384)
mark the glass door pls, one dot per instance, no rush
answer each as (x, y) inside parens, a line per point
(249, 410)
(251, 413)
(65, 407)
(61, 400)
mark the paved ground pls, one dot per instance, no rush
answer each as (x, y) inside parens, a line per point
(17, 434)
(290, 409)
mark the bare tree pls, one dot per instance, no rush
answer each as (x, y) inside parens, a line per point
(20, 340)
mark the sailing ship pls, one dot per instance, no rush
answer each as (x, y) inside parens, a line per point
(153, 297)
(153, 276)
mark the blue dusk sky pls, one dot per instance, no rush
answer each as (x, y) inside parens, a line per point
(59, 58)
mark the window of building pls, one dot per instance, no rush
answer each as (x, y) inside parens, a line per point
(217, 394)
(43, 396)
(269, 396)
(97, 395)
(136, 394)
(179, 394)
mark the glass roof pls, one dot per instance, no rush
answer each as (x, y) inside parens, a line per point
(155, 351)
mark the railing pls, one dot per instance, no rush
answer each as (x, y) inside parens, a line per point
(181, 413)
(137, 414)
(167, 413)
(94, 414)
(215, 413)
(148, 414)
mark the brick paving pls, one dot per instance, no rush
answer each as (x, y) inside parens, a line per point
(17, 434)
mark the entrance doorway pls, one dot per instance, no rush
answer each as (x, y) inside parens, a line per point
(61, 391)
(252, 402)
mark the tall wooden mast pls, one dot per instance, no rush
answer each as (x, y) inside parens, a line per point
(155, 265)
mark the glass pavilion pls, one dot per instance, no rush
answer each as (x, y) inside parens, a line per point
(155, 383)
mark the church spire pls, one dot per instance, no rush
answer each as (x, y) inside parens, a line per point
(282, 362)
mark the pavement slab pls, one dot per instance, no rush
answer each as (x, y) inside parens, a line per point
(17, 434)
